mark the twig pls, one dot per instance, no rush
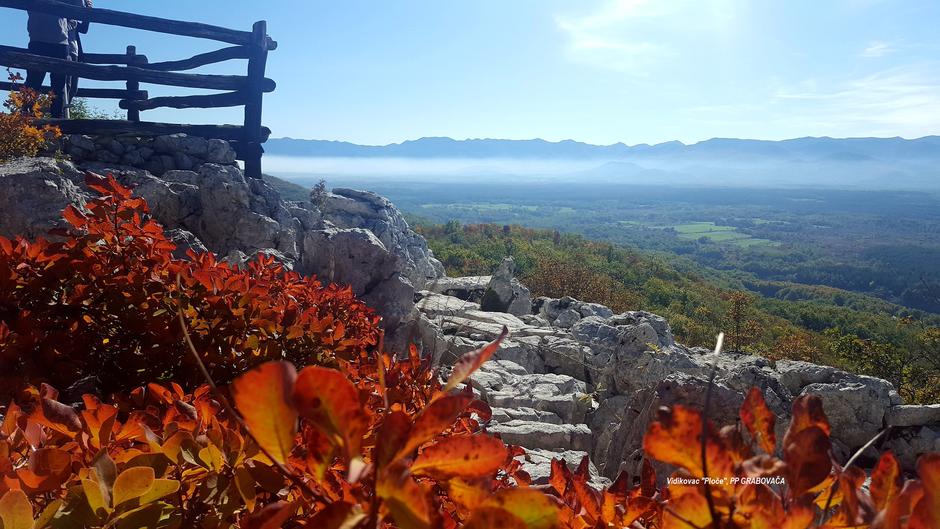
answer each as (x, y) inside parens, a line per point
(230, 409)
(858, 453)
(716, 518)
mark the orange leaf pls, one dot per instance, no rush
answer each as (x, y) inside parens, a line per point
(759, 420)
(473, 456)
(132, 484)
(263, 397)
(926, 513)
(807, 456)
(470, 362)
(885, 480)
(494, 518)
(48, 468)
(331, 402)
(438, 416)
(465, 494)
(676, 438)
(688, 506)
(406, 500)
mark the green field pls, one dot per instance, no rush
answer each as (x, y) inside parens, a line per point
(718, 234)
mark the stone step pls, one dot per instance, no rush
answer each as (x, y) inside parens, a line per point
(540, 435)
(571, 408)
(504, 415)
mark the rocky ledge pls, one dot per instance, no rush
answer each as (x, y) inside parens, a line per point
(572, 379)
(576, 379)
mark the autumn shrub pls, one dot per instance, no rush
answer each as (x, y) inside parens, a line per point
(19, 134)
(101, 306)
(381, 443)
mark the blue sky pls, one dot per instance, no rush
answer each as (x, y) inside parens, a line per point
(601, 71)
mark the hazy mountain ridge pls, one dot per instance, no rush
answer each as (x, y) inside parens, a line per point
(850, 163)
(799, 149)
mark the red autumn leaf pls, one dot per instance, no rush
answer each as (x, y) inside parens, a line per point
(474, 456)
(394, 432)
(759, 420)
(807, 412)
(808, 461)
(60, 417)
(676, 438)
(437, 417)
(331, 402)
(272, 516)
(885, 480)
(263, 397)
(470, 362)
(926, 514)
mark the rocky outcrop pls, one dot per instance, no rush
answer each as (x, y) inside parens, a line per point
(575, 378)
(357, 238)
(504, 293)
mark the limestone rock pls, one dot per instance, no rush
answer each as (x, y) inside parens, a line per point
(912, 415)
(347, 208)
(505, 294)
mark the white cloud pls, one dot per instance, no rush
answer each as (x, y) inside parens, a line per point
(902, 101)
(877, 49)
(635, 35)
(596, 38)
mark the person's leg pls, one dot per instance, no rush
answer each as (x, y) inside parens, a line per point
(59, 83)
(72, 84)
(35, 78)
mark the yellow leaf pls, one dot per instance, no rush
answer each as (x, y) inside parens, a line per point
(132, 484)
(536, 509)
(95, 500)
(15, 510)
(161, 488)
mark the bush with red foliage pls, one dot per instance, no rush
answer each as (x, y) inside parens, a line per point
(103, 302)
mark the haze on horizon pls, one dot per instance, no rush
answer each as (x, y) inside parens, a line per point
(601, 72)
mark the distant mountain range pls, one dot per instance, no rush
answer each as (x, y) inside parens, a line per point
(728, 149)
(869, 163)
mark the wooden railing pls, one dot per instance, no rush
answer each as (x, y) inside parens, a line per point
(133, 69)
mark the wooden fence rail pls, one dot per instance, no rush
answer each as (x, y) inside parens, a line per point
(133, 69)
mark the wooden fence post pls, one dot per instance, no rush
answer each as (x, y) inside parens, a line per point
(133, 114)
(257, 62)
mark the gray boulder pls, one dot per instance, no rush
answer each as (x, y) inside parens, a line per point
(505, 294)
(348, 208)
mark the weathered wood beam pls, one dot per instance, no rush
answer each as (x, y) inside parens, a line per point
(147, 128)
(130, 20)
(227, 99)
(15, 59)
(212, 57)
(107, 58)
(90, 93)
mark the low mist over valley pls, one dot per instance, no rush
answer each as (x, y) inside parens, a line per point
(853, 163)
